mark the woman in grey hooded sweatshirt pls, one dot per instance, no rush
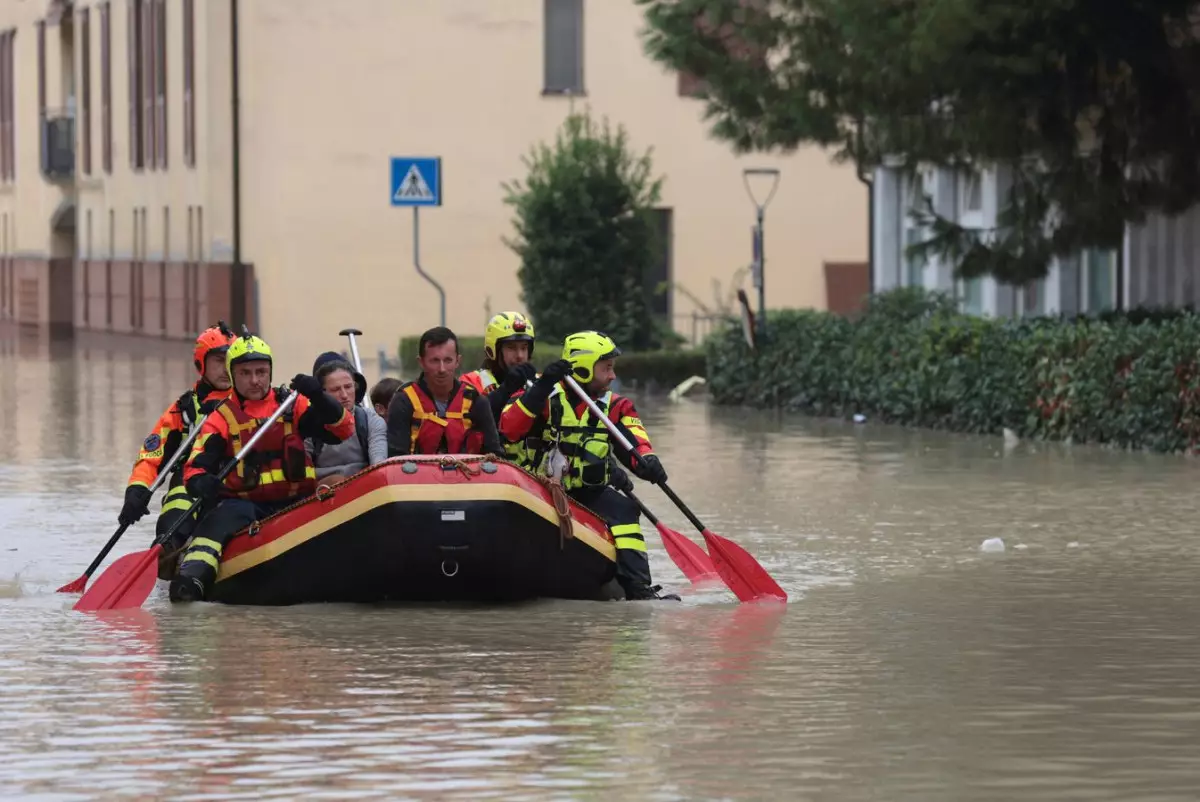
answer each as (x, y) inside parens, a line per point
(369, 445)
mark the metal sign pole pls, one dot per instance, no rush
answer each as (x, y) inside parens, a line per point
(760, 257)
(416, 181)
(417, 261)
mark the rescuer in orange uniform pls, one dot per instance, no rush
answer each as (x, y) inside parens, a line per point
(576, 448)
(172, 429)
(276, 473)
(437, 413)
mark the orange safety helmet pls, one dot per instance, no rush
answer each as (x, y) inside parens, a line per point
(215, 340)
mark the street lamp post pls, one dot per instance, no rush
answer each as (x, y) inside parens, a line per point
(760, 257)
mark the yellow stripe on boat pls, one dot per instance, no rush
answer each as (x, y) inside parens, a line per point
(394, 493)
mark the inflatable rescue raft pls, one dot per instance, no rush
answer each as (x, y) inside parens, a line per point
(427, 528)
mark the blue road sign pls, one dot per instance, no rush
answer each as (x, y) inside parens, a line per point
(416, 181)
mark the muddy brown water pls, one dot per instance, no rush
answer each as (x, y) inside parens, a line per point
(909, 665)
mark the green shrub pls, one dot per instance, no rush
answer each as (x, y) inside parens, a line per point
(586, 232)
(918, 362)
(660, 370)
(470, 347)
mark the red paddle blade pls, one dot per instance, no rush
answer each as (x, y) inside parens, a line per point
(748, 580)
(690, 558)
(76, 586)
(126, 583)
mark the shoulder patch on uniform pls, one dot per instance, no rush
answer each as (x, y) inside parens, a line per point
(152, 443)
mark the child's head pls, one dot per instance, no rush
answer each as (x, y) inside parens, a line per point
(382, 392)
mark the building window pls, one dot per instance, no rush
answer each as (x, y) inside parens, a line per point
(914, 234)
(563, 54)
(7, 150)
(147, 54)
(972, 300)
(85, 80)
(133, 47)
(41, 92)
(160, 81)
(659, 279)
(106, 121)
(1100, 274)
(970, 192)
(689, 85)
(189, 83)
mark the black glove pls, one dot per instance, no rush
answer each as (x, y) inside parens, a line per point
(205, 487)
(210, 406)
(517, 375)
(307, 386)
(649, 469)
(137, 504)
(555, 372)
(620, 481)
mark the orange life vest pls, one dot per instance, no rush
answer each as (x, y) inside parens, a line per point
(278, 468)
(482, 380)
(453, 434)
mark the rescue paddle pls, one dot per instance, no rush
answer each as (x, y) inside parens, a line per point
(80, 584)
(349, 334)
(748, 580)
(129, 580)
(691, 559)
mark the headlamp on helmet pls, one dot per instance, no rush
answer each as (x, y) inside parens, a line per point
(507, 327)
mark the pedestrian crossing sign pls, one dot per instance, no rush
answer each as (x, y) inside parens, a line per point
(416, 181)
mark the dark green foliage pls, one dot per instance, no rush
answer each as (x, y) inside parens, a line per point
(586, 235)
(1090, 106)
(1129, 380)
(471, 349)
(661, 370)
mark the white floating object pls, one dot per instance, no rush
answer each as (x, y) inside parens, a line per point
(1010, 437)
(992, 545)
(859, 417)
(1074, 544)
(687, 386)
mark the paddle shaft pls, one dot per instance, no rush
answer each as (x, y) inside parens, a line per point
(625, 444)
(163, 475)
(233, 463)
(350, 334)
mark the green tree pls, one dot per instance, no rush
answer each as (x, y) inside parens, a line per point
(1092, 107)
(586, 235)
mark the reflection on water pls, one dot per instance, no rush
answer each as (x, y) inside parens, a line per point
(908, 665)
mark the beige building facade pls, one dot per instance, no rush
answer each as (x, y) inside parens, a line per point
(117, 186)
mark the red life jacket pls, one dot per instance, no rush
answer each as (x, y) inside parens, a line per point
(453, 434)
(278, 468)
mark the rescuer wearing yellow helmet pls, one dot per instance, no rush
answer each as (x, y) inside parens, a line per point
(585, 445)
(508, 344)
(507, 348)
(272, 476)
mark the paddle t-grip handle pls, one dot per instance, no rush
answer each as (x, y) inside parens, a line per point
(350, 334)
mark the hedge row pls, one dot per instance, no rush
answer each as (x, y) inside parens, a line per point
(911, 358)
(652, 370)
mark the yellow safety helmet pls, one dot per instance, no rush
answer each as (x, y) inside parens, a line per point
(506, 327)
(247, 349)
(584, 349)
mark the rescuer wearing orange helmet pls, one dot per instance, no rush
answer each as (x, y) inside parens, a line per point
(274, 474)
(172, 429)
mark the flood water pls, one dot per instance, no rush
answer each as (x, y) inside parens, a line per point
(909, 665)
